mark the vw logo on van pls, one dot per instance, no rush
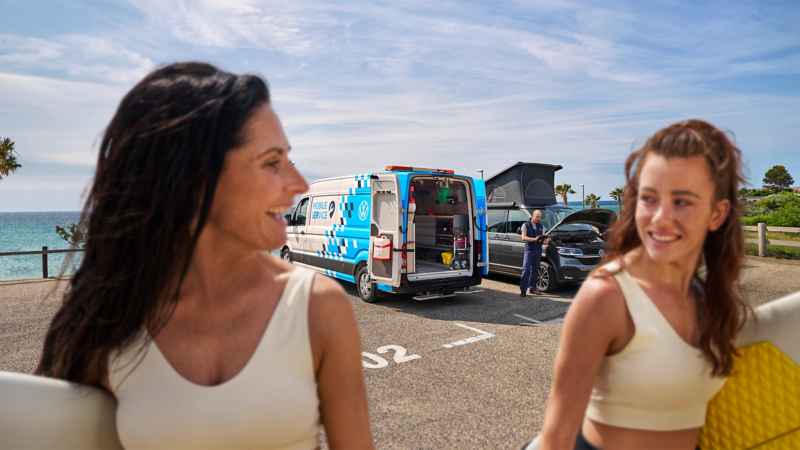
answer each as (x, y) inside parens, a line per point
(331, 209)
(363, 210)
(602, 252)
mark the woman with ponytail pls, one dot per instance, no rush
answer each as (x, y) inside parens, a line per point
(648, 340)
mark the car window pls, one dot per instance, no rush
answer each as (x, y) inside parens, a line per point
(515, 220)
(495, 220)
(300, 213)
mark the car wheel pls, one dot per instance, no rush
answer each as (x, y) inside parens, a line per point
(286, 255)
(367, 290)
(547, 278)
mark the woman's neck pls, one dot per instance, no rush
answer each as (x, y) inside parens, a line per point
(676, 274)
(220, 268)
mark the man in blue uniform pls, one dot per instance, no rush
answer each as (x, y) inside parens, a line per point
(533, 236)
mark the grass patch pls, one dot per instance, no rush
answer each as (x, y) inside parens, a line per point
(777, 251)
(776, 235)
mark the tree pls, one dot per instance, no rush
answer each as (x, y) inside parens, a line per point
(591, 200)
(8, 162)
(777, 178)
(562, 190)
(617, 195)
(73, 235)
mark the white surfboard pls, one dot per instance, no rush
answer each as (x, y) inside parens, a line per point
(44, 413)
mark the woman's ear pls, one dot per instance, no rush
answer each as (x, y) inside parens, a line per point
(721, 210)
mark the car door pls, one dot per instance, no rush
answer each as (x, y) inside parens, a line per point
(385, 221)
(297, 232)
(513, 247)
(495, 227)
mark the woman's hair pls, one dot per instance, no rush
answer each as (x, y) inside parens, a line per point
(721, 308)
(160, 160)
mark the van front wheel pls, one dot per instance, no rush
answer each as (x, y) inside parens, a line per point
(367, 290)
(547, 278)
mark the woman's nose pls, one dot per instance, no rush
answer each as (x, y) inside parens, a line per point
(664, 214)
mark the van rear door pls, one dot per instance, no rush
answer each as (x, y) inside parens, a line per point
(385, 222)
(480, 204)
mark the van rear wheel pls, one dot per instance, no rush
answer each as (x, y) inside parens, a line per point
(367, 290)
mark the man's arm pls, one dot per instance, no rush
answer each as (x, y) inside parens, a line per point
(525, 237)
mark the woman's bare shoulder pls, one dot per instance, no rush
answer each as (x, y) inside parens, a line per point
(326, 293)
(600, 297)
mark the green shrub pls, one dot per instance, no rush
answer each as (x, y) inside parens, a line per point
(777, 201)
(787, 216)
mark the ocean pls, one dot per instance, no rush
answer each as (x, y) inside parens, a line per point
(30, 231)
(602, 204)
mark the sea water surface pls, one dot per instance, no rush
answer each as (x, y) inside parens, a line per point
(30, 231)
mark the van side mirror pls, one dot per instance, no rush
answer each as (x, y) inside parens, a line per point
(288, 218)
(519, 230)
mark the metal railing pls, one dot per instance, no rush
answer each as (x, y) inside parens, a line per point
(44, 252)
(762, 240)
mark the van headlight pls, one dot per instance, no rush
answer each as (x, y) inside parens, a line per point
(570, 251)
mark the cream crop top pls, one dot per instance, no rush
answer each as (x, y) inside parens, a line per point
(271, 404)
(657, 382)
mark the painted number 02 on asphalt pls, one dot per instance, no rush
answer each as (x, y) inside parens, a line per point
(378, 362)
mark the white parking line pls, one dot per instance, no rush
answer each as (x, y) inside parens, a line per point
(549, 322)
(483, 335)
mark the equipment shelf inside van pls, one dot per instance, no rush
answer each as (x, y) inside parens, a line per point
(442, 227)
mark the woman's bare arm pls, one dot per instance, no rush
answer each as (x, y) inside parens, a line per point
(336, 345)
(594, 326)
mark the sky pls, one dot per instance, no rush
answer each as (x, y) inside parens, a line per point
(360, 85)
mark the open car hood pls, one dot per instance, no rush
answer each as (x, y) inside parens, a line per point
(600, 218)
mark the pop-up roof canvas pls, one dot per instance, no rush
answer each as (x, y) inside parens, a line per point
(529, 184)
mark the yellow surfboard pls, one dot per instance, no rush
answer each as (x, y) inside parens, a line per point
(759, 406)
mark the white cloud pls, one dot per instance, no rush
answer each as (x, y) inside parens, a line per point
(80, 56)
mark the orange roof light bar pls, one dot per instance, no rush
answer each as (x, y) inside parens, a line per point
(419, 169)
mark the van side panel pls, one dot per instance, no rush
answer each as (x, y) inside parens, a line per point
(343, 242)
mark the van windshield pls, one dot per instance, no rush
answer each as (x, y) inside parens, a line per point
(551, 217)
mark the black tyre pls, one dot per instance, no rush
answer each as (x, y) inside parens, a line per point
(367, 290)
(286, 255)
(547, 278)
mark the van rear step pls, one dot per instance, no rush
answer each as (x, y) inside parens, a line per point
(431, 296)
(469, 291)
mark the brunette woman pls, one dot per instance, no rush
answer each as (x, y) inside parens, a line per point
(648, 340)
(178, 308)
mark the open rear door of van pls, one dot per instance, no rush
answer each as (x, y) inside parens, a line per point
(480, 216)
(385, 224)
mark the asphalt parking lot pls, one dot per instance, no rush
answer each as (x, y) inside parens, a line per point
(472, 371)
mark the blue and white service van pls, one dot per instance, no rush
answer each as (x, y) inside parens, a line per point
(405, 230)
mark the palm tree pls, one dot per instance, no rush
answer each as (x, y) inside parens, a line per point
(617, 194)
(8, 162)
(562, 190)
(592, 200)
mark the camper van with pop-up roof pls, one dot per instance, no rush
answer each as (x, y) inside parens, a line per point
(576, 239)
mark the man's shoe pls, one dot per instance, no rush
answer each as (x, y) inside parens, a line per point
(522, 294)
(535, 292)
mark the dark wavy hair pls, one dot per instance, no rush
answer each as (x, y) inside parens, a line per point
(722, 307)
(160, 160)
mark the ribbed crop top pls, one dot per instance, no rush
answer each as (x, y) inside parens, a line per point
(271, 404)
(658, 381)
